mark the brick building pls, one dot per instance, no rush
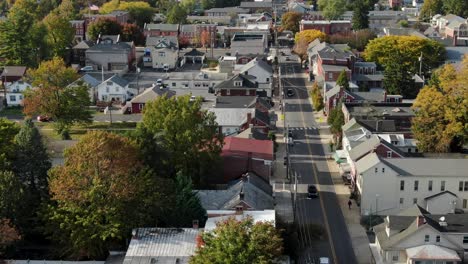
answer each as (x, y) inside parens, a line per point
(326, 26)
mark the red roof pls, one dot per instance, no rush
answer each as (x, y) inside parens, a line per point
(262, 149)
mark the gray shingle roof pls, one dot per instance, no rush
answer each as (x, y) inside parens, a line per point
(84, 44)
(153, 41)
(194, 52)
(365, 147)
(162, 27)
(247, 82)
(118, 80)
(115, 47)
(13, 71)
(151, 94)
(429, 166)
(257, 62)
(256, 193)
(235, 102)
(227, 10)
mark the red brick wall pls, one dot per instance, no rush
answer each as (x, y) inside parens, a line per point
(381, 150)
(334, 76)
(136, 108)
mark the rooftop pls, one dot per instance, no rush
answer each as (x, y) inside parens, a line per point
(162, 27)
(151, 94)
(231, 116)
(243, 146)
(257, 216)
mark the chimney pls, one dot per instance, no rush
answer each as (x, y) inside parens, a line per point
(195, 224)
(135, 234)
(421, 221)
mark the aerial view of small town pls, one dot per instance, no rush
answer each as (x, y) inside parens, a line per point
(233, 131)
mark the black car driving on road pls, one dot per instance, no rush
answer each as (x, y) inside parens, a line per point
(312, 191)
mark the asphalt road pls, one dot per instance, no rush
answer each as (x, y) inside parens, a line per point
(308, 162)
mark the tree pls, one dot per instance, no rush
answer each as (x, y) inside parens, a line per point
(177, 15)
(332, 9)
(409, 48)
(103, 26)
(300, 48)
(53, 97)
(31, 161)
(397, 80)
(184, 204)
(290, 21)
(207, 4)
(67, 9)
(184, 42)
(177, 135)
(356, 39)
(310, 35)
(430, 8)
(205, 39)
(99, 194)
(16, 38)
(440, 124)
(317, 98)
(336, 120)
(459, 8)
(248, 242)
(8, 130)
(60, 33)
(343, 81)
(360, 18)
(8, 234)
(11, 197)
(131, 32)
(140, 11)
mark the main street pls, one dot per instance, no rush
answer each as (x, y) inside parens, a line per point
(308, 163)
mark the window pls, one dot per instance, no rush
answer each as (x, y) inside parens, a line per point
(383, 170)
(140, 106)
(21, 97)
(402, 185)
(437, 239)
(402, 200)
(465, 239)
(395, 257)
(174, 84)
(415, 200)
(442, 186)
(12, 98)
(330, 75)
(426, 238)
(460, 186)
(429, 186)
(376, 170)
(107, 89)
(117, 89)
(416, 185)
(228, 92)
(267, 79)
(464, 203)
(466, 186)
(389, 154)
(162, 54)
(109, 83)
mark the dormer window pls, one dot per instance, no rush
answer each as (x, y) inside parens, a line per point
(238, 83)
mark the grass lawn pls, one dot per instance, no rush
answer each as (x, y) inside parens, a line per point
(10, 111)
(78, 131)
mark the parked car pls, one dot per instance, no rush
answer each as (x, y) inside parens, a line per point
(290, 92)
(324, 260)
(43, 118)
(312, 191)
(159, 82)
(87, 69)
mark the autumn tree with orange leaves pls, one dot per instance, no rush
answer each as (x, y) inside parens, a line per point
(205, 39)
(100, 193)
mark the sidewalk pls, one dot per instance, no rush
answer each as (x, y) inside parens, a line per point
(352, 216)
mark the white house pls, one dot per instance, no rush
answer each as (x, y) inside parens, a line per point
(161, 52)
(416, 236)
(194, 80)
(115, 89)
(232, 120)
(263, 73)
(15, 91)
(389, 185)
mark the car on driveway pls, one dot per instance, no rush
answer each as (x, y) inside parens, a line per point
(290, 92)
(312, 191)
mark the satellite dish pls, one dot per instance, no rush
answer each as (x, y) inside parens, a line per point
(442, 219)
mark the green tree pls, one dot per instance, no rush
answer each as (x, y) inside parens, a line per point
(332, 9)
(360, 18)
(185, 205)
(16, 38)
(397, 80)
(11, 197)
(178, 135)
(317, 98)
(103, 26)
(409, 48)
(31, 161)
(336, 120)
(99, 194)
(248, 242)
(60, 33)
(456, 7)
(8, 131)
(343, 81)
(430, 8)
(177, 15)
(290, 21)
(53, 97)
(207, 4)
(441, 121)
(140, 12)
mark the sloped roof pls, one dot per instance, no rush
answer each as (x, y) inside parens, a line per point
(429, 166)
(257, 216)
(164, 245)
(252, 190)
(231, 116)
(194, 52)
(431, 252)
(151, 94)
(227, 10)
(242, 146)
(13, 71)
(257, 62)
(114, 47)
(367, 162)
(118, 80)
(386, 241)
(84, 44)
(235, 101)
(365, 147)
(162, 27)
(351, 124)
(89, 80)
(414, 210)
(247, 82)
(262, 116)
(170, 41)
(336, 51)
(439, 194)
